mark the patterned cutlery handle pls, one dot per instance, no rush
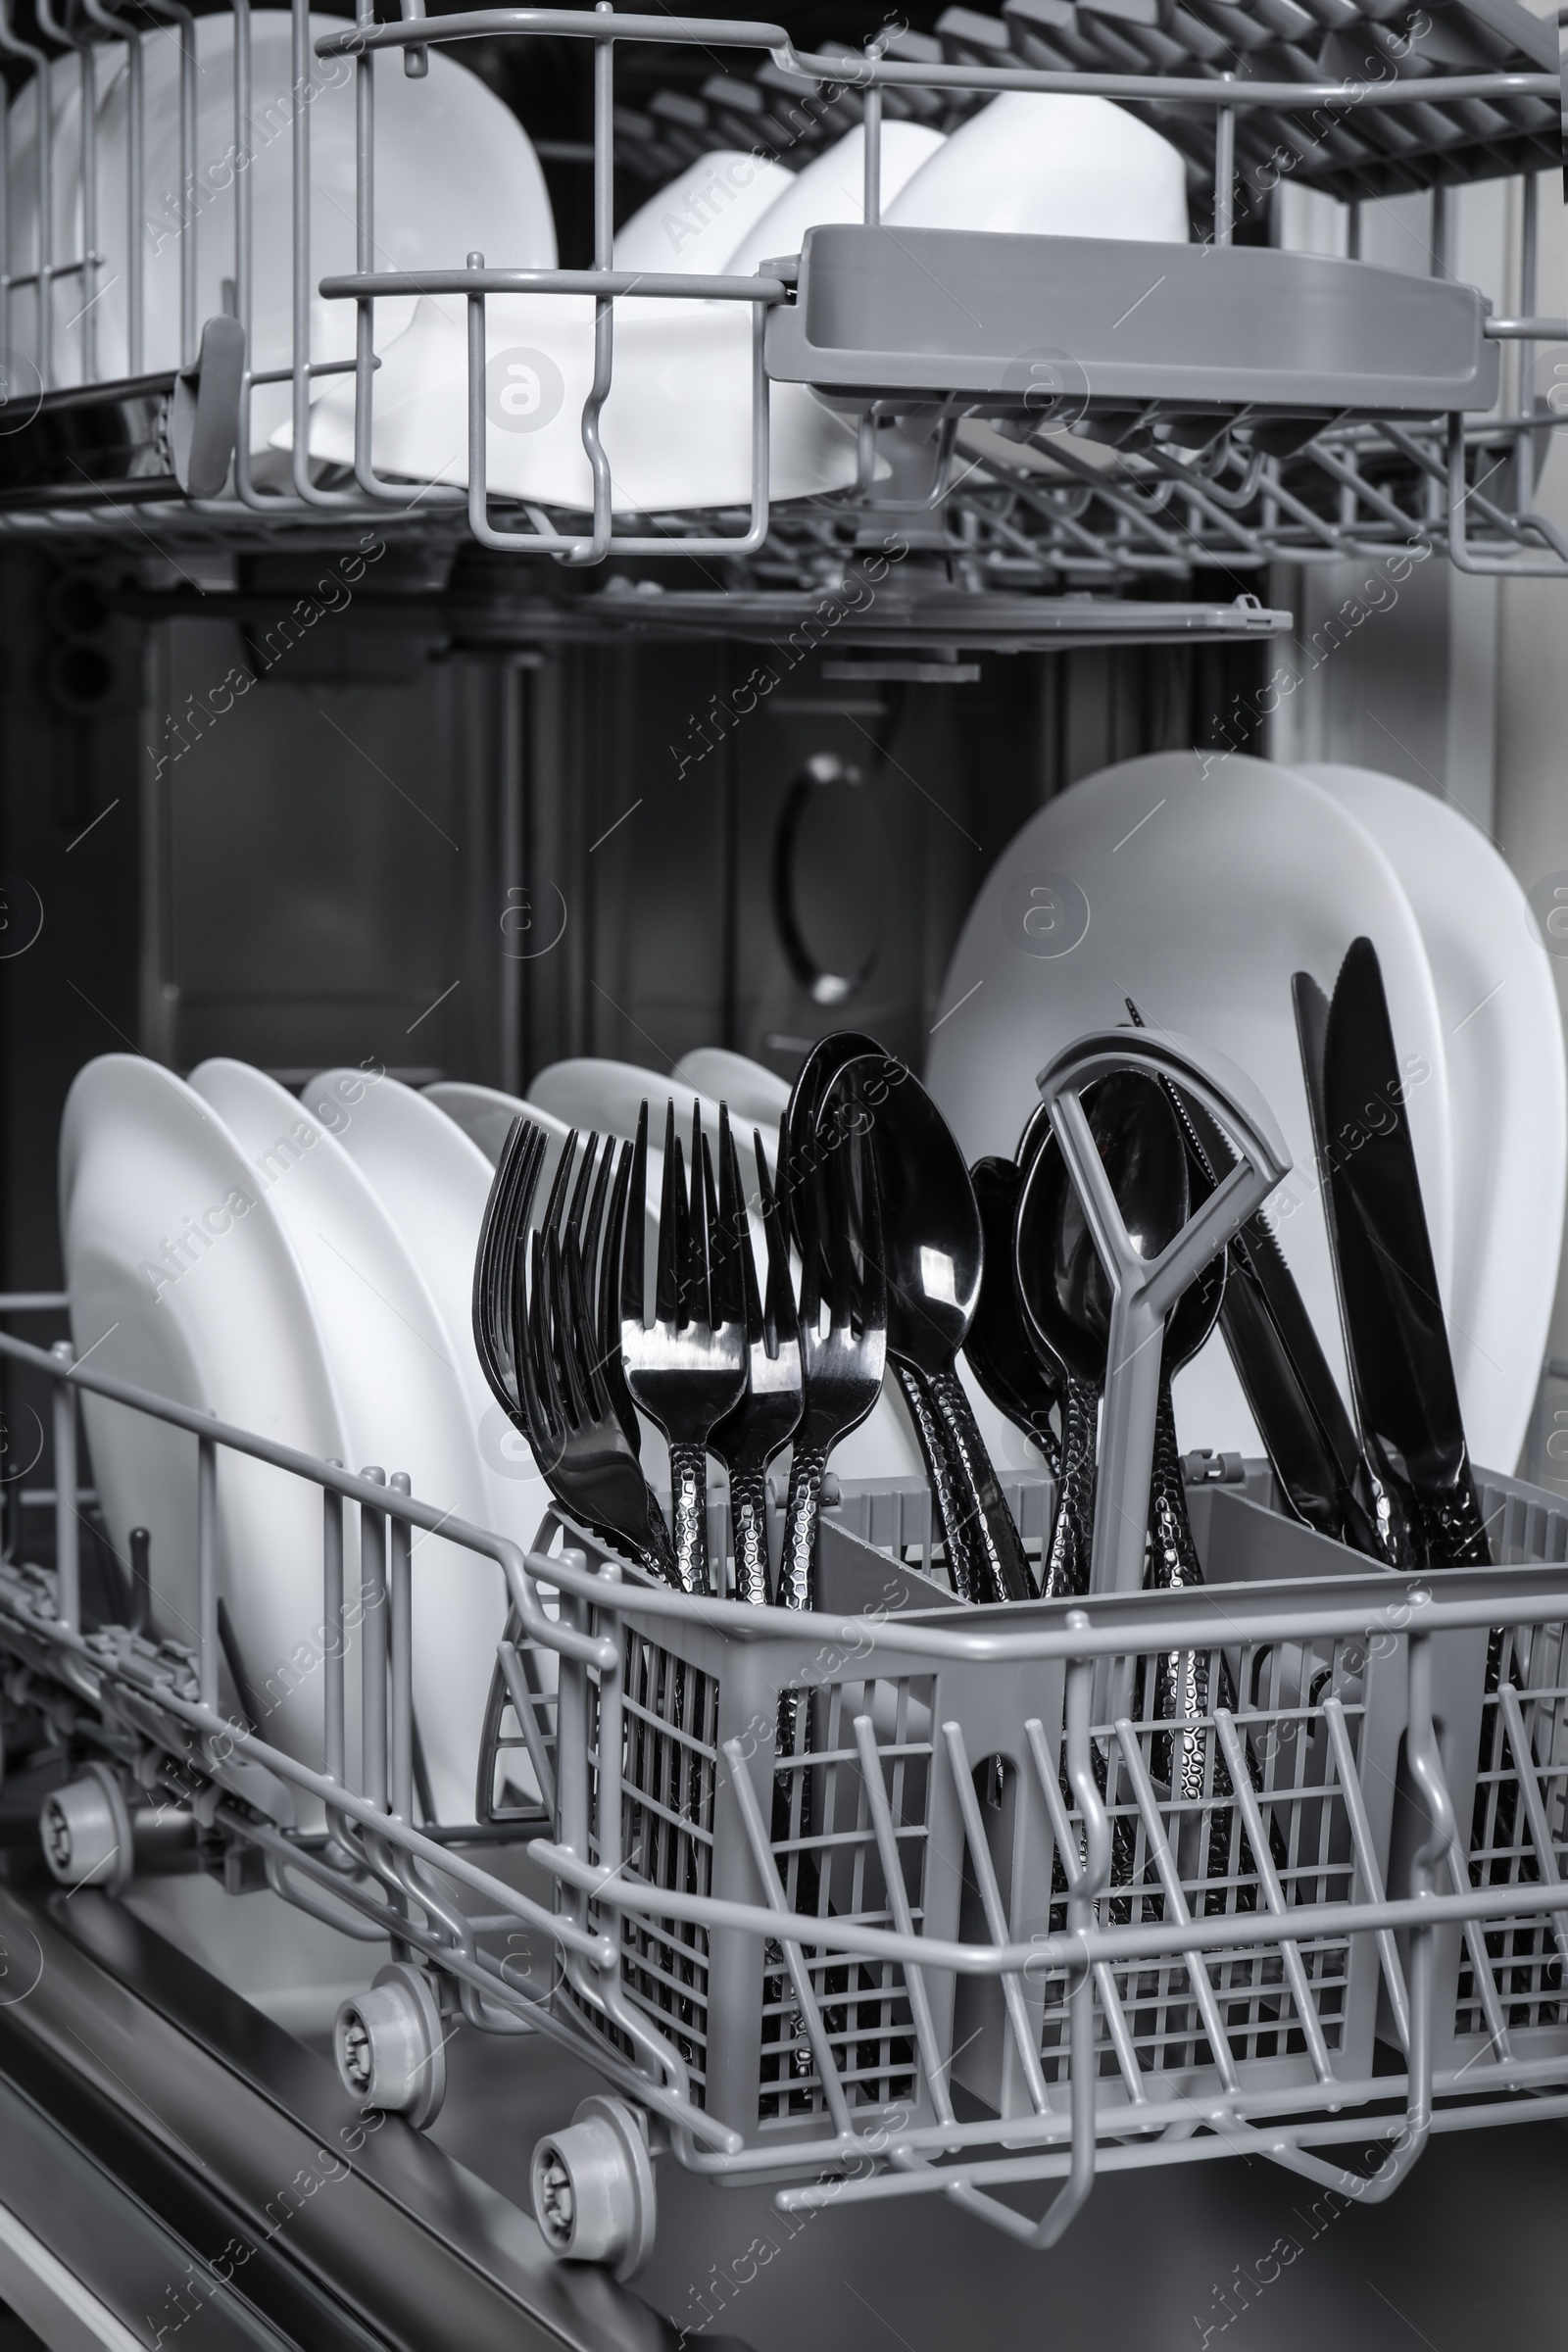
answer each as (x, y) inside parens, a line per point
(998, 1548)
(748, 1519)
(1067, 1556)
(688, 1490)
(796, 1567)
(954, 1510)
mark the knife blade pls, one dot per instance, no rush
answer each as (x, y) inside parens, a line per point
(1397, 1337)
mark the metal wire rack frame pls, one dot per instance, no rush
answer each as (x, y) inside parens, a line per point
(153, 1711)
(1360, 485)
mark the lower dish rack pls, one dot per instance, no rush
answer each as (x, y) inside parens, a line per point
(995, 1913)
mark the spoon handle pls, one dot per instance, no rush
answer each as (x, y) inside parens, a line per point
(748, 1519)
(796, 1567)
(1066, 1565)
(952, 1508)
(1000, 1555)
(688, 1495)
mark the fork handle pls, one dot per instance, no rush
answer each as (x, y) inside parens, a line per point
(748, 1519)
(688, 1493)
(997, 1551)
(796, 1567)
(953, 1508)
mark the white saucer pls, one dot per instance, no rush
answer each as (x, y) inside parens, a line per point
(756, 1095)
(1503, 1033)
(693, 226)
(223, 1323)
(404, 1405)
(1198, 894)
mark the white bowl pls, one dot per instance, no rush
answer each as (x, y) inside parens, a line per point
(454, 173)
(693, 226)
(1056, 166)
(833, 189)
(676, 427)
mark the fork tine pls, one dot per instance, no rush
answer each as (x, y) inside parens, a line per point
(579, 1194)
(667, 1272)
(704, 1216)
(780, 1321)
(735, 1281)
(557, 1191)
(836, 1234)
(806, 1207)
(558, 1259)
(874, 1314)
(596, 1218)
(515, 1172)
(541, 1399)
(632, 1268)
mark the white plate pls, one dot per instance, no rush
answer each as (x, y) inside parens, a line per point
(756, 1096)
(694, 225)
(454, 173)
(676, 427)
(433, 1182)
(1050, 165)
(404, 1405)
(1198, 894)
(833, 188)
(1503, 1033)
(225, 1326)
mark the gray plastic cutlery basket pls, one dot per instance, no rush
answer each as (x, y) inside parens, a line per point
(965, 1750)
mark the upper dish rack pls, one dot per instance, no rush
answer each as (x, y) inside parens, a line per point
(1031, 413)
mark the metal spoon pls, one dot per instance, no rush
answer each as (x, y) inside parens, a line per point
(935, 1256)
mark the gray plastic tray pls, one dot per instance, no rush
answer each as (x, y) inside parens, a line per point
(1031, 322)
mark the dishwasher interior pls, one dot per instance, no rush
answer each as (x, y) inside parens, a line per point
(549, 556)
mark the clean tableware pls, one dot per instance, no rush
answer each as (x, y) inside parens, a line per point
(762, 1423)
(535, 1337)
(692, 228)
(1196, 884)
(434, 1182)
(1310, 1439)
(998, 1349)
(832, 188)
(454, 173)
(1503, 1039)
(1050, 166)
(183, 1281)
(752, 1093)
(394, 1368)
(687, 1369)
(934, 1249)
(676, 427)
(1397, 1342)
(843, 1327)
(1068, 1555)
(1065, 1291)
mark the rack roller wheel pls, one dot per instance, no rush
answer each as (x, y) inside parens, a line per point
(86, 1832)
(593, 2188)
(390, 2045)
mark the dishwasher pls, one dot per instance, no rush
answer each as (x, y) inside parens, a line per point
(782, 858)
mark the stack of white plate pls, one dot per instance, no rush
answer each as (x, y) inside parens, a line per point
(1196, 885)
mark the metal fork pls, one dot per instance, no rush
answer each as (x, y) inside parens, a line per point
(843, 1365)
(769, 1414)
(538, 1344)
(688, 1369)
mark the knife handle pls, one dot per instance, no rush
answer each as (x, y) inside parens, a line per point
(1066, 1565)
(688, 1492)
(748, 1520)
(954, 1514)
(1000, 1555)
